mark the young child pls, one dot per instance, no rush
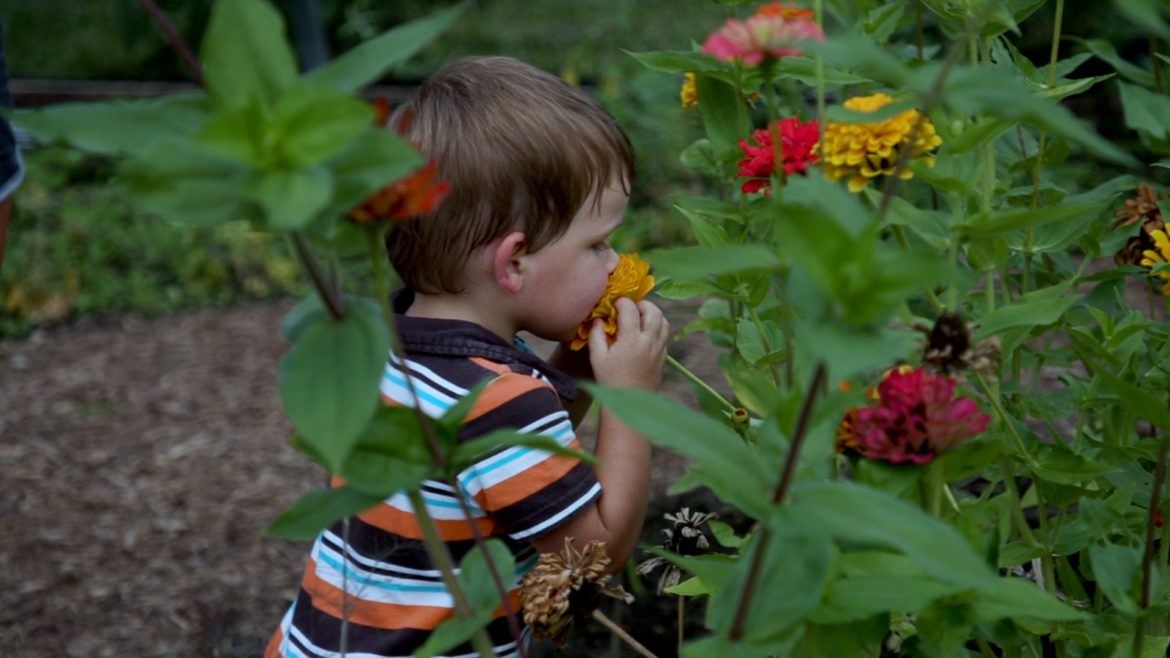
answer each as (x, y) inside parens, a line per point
(540, 177)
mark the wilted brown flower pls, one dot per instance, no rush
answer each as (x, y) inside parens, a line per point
(685, 538)
(566, 585)
(1142, 206)
(949, 348)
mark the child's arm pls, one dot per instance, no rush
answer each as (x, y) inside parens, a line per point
(634, 360)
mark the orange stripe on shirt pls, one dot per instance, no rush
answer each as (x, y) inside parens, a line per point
(405, 524)
(502, 390)
(534, 478)
(334, 602)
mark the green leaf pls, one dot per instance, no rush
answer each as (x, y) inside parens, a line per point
(246, 54)
(725, 463)
(1058, 463)
(1146, 15)
(852, 599)
(102, 127)
(1104, 50)
(842, 114)
(369, 61)
(390, 455)
(1037, 308)
(301, 316)
(482, 594)
(937, 547)
(861, 56)
(328, 380)
(679, 61)
(291, 199)
(724, 534)
(972, 90)
(1116, 569)
(707, 231)
(1145, 404)
(724, 113)
(997, 223)
(313, 125)
(803, 68)
(1014, 598)
(184, 184)
(689, 587)
(792, 577)
(374, 160)
(697, 263)
(318, 510)
(1145, 111)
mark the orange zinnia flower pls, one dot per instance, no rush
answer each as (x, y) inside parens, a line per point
(631, 278)
(408, 197)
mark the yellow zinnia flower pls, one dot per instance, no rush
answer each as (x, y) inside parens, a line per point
(1157, 256)
(689, 94)
(631, 278)
(863, 151)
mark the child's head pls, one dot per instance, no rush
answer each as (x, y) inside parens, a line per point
(523, 151)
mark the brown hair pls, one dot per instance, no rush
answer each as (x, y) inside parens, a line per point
(522, 149)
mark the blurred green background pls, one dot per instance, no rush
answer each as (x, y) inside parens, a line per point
(77, 250)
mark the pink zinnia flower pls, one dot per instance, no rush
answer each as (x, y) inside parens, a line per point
(915, 419)
(798, 143)
(761, 36)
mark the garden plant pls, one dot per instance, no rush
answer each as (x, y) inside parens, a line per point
(947, 425)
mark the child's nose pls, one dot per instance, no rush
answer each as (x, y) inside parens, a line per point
(612, 264)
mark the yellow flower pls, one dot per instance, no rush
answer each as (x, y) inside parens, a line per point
(689, 94)
(631, 278)
(1160, 255)
(863, 151)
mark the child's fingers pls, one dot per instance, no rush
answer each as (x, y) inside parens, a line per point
(629, 320)
(652, 317)
(598, 342)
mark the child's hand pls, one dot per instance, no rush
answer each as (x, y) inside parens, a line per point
(636, 357)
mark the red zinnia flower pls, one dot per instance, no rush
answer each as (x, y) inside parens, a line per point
(408, 197)
(915, 419)
(798, 143)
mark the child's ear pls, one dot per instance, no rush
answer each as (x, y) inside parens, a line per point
(508, 263)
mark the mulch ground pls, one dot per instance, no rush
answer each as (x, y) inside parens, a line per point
(142, 460)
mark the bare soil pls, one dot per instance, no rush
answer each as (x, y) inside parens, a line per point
(141, 461)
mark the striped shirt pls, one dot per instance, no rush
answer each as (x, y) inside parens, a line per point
(373, 569)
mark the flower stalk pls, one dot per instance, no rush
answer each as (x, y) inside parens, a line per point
(1148, 553)
(694, 379)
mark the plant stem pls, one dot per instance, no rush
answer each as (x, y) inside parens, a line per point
(694, 379)
(935, 484)
(312, 269)
(621, 632)
(435, 546)
(682, 617)
(1053, 53)
(442, 560)
(190, 62)
(786, 477)
(755, 318)
(993, 397)
(819, 13)
(1148, 554)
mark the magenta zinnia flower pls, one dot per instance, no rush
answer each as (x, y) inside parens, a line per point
(915, 419)
(761, 36)
(798, 143)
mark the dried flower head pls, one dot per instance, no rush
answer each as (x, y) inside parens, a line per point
(566, 585)
(916, 418)
(864, 151)
(688, 95)
(949, 348)
(685, 537)
(798, 143)
(1144, 208)
(763, 36)
(1141, 207)
(631, 278)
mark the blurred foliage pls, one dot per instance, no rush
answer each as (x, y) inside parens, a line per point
(76, 249)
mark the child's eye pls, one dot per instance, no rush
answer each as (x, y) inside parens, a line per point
(601, 246)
